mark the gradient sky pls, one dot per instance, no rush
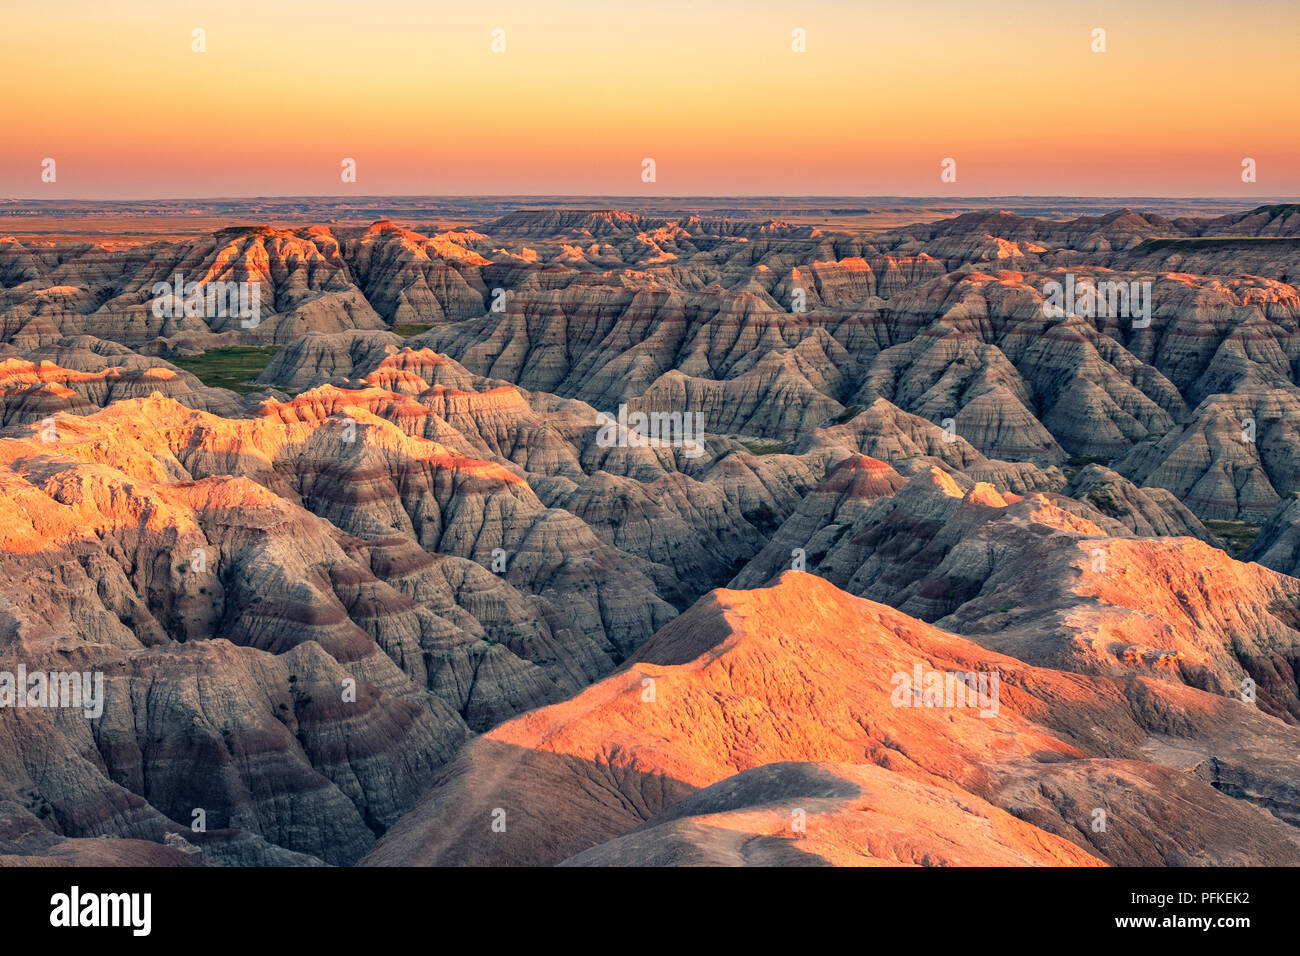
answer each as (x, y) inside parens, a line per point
(709, 88)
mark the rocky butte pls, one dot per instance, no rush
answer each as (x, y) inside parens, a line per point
(596, 537)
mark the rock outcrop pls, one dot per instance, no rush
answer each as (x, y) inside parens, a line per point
(703, 726)
(428, 566)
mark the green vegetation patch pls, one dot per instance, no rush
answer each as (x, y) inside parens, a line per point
(1077, 463)
(1237, 535)
(1083, 461)
(763, 446)
(233, 368)
(1103, 499)
(848, 414)
(407, 331)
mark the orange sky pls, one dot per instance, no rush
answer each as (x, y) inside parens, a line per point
(710, 89)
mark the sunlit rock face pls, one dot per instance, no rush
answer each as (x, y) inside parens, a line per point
(756, 702)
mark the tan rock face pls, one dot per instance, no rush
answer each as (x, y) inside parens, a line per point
(819, 814)
(1234, 459)
(82, 374)
(1278, 544)
(698, 733)
(1055, 581)
(1147, 512)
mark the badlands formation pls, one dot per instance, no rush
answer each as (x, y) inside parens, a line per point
(400, 595)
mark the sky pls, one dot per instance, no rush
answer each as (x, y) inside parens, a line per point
(711, 90)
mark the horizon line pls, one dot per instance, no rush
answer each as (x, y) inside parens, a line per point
(642, 196)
